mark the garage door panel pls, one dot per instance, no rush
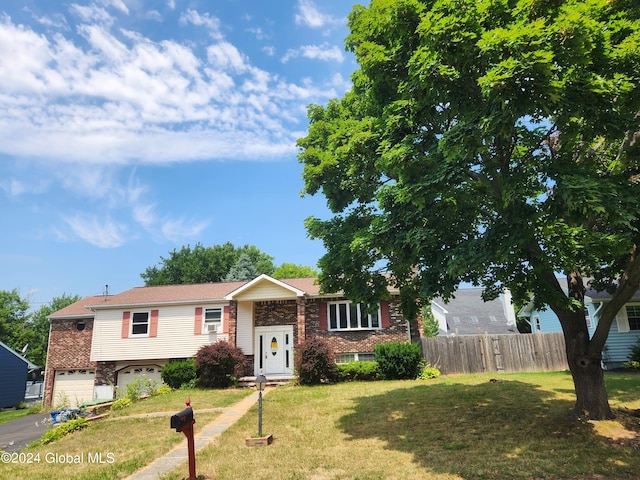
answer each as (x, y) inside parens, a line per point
(73, 387)
(133, 373)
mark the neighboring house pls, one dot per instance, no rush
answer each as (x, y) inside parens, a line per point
(104, 341)
(13, 376)
(624, 332)
(468, 314)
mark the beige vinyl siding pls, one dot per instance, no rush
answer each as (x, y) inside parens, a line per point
(244, 331)
(175, 337)
(266, 291)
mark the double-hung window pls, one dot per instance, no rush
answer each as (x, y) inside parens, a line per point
(212, 319)
(352, 316)
(633, 317)
(140, 324)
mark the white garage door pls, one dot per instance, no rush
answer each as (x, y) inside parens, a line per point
(134, 372)
(73, 387)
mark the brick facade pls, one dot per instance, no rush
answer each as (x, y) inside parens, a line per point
(356, 341)
(69, 348)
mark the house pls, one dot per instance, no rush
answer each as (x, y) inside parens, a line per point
(468, 314)
(108, 341)
(13, 376)
(623, 335)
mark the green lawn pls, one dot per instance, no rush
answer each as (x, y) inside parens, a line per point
(455, 427)
(9, 415)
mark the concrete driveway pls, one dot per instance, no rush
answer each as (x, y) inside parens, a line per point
(17, 434)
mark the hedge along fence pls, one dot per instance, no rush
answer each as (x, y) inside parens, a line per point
(537, 352)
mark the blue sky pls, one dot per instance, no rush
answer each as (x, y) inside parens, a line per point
(129, 128)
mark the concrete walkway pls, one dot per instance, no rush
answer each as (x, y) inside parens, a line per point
(211, 431)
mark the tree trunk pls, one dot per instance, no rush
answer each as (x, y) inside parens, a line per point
(585, 363)
(586, 369)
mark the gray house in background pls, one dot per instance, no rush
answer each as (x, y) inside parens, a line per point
(13, 376)
(468, 314)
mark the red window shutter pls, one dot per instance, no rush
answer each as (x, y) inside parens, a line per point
(153, 327)
(384, 313)
(225, 319)
(322, 306)
(126, 316)
(197, 323)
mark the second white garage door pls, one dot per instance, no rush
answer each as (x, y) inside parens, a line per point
(132, 373)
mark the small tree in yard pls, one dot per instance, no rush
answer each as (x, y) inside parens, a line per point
(314, 362)
(486, 142)
(219, 365)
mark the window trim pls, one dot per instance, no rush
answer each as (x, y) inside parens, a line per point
(132, 323)
(347, 309)
(635, 306)
(219, 324)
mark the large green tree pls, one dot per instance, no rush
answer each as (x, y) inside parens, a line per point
(202, 264)
(14, 319)
(38, 326)
(20, 328)
(486, 141)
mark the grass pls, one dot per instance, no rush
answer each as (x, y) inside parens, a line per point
(9, 415)
(126, 444)
(454, 427)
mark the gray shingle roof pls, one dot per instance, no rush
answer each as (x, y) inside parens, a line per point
(468, 314)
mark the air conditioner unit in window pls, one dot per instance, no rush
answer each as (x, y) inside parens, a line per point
(211, 328)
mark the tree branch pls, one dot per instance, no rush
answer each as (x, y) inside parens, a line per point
(629, 284)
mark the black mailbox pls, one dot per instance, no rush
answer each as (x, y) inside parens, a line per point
(182, 419)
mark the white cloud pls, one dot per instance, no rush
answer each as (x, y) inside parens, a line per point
(117, 4)
(211, 23)
(145, 215)
(309, 15)
(315, 52)
(92, 13)
(102, 233)
(124, 98)
(226, 57)
(180, 230)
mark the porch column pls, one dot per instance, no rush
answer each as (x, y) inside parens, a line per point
(300, 312)
(233, 322)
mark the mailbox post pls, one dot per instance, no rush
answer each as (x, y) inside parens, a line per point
(183, 422)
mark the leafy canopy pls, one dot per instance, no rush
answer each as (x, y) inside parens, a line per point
(485, 141)
(204, 264)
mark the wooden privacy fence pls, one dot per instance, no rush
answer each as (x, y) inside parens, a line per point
(496, 353)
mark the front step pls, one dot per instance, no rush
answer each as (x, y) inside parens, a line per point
(272, 380)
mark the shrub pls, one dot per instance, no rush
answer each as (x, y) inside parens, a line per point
(164, 389)
(140, 387)
(314, 362)
(635, 352)
(64, 429)
(219, 365)
(398, 360)
(429, 372)
(190, 384)
(359, 371)
(631, 365)
(177, 373)
(121, 403)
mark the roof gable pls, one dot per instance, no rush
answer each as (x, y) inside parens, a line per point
(12, 351)
(265, 287)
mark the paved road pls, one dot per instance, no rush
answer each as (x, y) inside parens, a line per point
(17, 434)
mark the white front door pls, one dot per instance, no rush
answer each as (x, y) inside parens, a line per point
(274, 350)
